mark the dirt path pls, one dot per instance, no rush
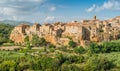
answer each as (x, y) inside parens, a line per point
(9, 47)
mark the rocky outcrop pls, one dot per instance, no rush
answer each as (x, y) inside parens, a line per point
(82, 32)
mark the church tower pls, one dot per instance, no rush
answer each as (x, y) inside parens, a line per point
(95, 17)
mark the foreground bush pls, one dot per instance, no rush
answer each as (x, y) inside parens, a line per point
(37, 41)
(8, 66)
(74, 59)
(72, 43)
(98, 63)
(71, 67)
(79, 50)
(105, 47)
(5, 30)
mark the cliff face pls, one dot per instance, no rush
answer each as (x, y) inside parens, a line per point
(82, 32)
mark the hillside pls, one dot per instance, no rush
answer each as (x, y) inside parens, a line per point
(12, 22)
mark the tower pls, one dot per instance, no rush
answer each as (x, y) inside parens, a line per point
(95, 17)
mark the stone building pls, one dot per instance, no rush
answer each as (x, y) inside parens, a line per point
(18, 34)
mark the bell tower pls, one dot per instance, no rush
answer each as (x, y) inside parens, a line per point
(95, 17)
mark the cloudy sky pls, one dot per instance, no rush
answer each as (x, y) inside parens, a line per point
(43, 11)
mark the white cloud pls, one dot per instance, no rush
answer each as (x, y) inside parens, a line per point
(49, 18)
(53, 8)
(91, 8)
(19, 6)
(109, 5)
(28, 10)
(10, 9)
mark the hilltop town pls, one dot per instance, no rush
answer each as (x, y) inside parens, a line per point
(82, 32)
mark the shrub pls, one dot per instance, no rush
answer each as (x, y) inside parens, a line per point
(72, 43)
(98, 63)
(16, 49)
(69, 59)
(80, 50)
(22, 50)
(26, 39)
(2, 40)
(105, 47)
(52, 50)
(101, 30)
(95, 48)
(37, 41)
(72, 67)
(111, 47)
(8, 66)
(63, 48)
(61, 58)
(45, 63)
(51, 46)
(74, 59)
(23, 66)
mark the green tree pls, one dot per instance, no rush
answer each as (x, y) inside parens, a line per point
(8, 66)
(2, 40)
(27, 42)
(37, 41)
(98, 63)
(71, 67)
(72, 43)
(95, 48)
(80, 50)
(5, 30)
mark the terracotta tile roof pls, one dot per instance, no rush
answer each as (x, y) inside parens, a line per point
(21, 25)
(36, 24)
(118, 17)
(73, 24)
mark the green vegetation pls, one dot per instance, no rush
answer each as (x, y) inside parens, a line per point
(38, 60)
(80, 50)
(36, 41)
(62, 58)
(72, 43)
(101, 30)
(14, 61)
(27, 42)
(98, 63)
(5, 30)
(105, 47)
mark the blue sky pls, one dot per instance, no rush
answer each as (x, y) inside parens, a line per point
(44, 11)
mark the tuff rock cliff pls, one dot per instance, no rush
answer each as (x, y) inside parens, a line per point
(82, 32)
